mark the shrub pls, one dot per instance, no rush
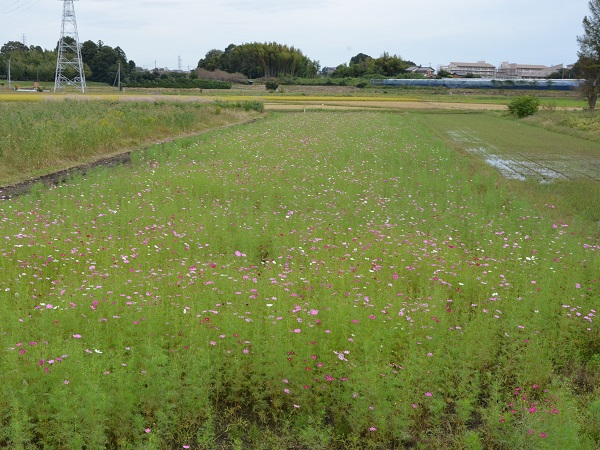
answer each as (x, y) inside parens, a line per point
(220, 75)
(246, 105)
(524, 106)
(183, 83)
(271, 85)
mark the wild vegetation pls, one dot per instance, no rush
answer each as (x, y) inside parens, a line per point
(524, 106)
(314, 280)
(39, 137)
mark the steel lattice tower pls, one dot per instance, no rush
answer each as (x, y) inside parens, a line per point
(69, 60)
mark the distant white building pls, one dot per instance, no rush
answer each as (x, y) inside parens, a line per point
(461, 69)
(506, 70)
(512, 70)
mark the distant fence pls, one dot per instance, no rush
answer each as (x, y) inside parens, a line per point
(482, 83)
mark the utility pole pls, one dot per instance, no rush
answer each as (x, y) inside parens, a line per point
(118, 77)
(69, 52)
(9, 86)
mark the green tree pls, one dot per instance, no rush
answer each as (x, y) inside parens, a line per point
(212, 60)
(255, 60)
(361, 57)
(589, 54)
(13, 46)
(363, 65)
(103, 61)
(27, 63)
(88, 51)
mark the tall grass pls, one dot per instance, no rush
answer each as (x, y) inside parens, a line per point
(46, 135)
(319, 280)
(583, 123)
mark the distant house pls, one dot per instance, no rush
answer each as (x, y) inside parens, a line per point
(427, 71)
(461, 69)
(512, 70)
(327, 71)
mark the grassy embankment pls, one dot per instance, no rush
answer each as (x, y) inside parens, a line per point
(38, 137)
(319, 280)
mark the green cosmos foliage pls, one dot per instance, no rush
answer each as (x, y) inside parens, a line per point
(317, 280)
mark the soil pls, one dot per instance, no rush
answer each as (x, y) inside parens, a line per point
(7, 192)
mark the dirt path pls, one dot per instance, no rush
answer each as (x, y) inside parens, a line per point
(383, 105)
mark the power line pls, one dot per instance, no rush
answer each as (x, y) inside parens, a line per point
(16, 7)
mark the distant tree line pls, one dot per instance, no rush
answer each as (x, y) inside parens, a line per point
(179, 80)
(363, 65)
(100, 62)
(27, 63)
(257, 60)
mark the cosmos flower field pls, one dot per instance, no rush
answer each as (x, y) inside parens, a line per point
(312, 280)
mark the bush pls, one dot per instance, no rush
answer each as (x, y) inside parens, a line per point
(221, 75)
(524, 106)
(271, 85)
(183, 83)
(246, 105)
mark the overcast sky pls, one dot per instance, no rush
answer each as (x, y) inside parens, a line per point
(427, 32)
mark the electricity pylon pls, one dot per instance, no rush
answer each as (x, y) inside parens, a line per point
(69, 65)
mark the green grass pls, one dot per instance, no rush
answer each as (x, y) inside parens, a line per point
(583, 124)
(318, 280)
(40, 137)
